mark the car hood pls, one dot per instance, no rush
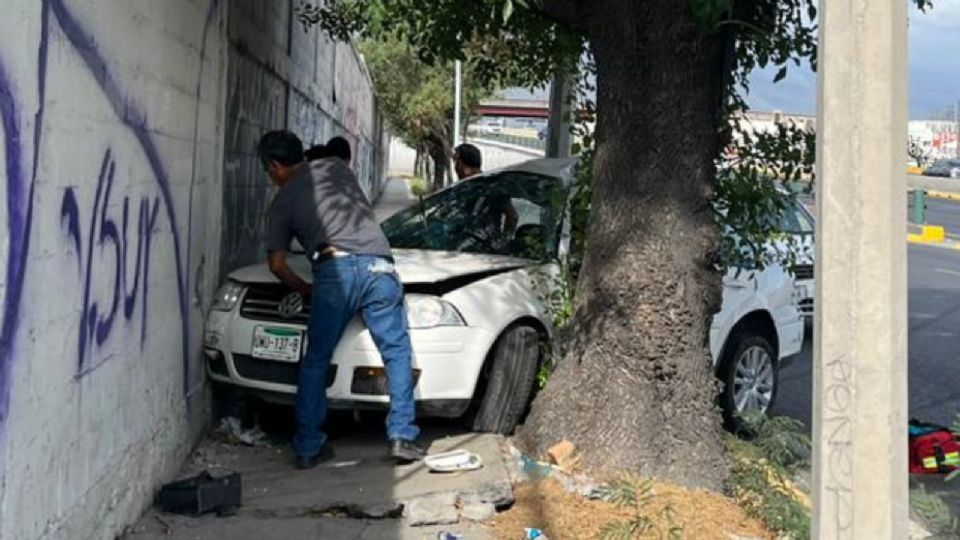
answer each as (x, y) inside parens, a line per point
(414, 266)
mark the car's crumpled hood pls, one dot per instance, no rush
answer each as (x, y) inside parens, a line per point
(415, 266)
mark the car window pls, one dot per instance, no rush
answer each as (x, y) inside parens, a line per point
(513, 213)
(795, 219)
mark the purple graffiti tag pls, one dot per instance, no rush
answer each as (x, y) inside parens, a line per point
(20, 193)
(147, 221)
(70, 213)
(95, 326)
(16, 226)
(146, 238)
(86, 47)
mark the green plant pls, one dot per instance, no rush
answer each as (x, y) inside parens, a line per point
(635, 494)
(764, 462)
(418, 186)
(752, 196)
(935, 514)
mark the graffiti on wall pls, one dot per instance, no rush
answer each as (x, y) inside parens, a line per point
(256, 102)
(104, 241)
(113, 240)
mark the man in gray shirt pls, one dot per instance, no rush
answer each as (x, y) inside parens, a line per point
(321, 204)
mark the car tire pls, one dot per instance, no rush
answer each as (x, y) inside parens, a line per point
(750, 374)
(506, 383)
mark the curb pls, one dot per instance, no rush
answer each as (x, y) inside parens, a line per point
(929, 234)
(944, 195)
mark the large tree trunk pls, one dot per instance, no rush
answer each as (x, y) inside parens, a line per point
(635, 390)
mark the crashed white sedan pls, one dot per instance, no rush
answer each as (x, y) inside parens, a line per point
(476, 294)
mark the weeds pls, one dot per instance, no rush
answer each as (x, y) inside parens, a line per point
(635, 495)
(418, 186)
(935, 514)
(761, 479)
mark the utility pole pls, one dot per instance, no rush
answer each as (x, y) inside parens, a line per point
(458, 83)
(558, 127)
(860, 484)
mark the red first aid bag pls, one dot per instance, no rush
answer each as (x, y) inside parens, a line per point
(933, 449)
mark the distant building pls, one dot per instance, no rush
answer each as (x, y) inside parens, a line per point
(937, 137)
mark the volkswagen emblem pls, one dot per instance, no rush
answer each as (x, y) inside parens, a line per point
(290, 306)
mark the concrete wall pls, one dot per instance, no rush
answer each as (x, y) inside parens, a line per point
(281, 76)
(125, 127)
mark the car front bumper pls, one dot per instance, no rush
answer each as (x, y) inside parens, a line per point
(446, 360)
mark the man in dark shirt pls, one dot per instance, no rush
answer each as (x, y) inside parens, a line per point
(321, 204)
(497, 218)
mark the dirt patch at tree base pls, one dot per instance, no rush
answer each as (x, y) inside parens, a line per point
(562, 515)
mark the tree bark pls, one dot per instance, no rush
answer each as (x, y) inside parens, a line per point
(635, 390)
(440, 166)
(418, 164)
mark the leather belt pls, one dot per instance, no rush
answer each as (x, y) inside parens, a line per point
(328, 254)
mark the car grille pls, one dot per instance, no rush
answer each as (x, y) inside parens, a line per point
(806, 307)
(803, 271)
(272, 371)
(262, 302)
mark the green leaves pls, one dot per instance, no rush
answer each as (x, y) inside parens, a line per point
(635, 494)
(780, 74)
(509, 41)
(935, 514)
(755, 191)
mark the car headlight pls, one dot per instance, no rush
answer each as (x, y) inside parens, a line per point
(430, 312)
(228, 296)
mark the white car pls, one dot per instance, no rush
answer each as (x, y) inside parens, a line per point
(477, 311)
(799, 223)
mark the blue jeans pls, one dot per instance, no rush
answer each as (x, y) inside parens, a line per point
(342, 288)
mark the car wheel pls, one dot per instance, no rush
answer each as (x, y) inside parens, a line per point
(750, 374)
(507, 382)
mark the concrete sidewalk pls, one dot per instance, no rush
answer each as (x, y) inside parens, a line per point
(396, 196)
(358, 495)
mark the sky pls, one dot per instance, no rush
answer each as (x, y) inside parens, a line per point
(934, 69)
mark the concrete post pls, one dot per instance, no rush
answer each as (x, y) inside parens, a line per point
(558, 127)
(860, 369)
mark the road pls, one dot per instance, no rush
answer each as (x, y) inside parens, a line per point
(944, 213)
(933, 347)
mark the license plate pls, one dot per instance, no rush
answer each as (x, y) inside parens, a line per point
(272, 343)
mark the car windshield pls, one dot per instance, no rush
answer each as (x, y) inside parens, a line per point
(796, 220)
(946, 163)
(512, 213)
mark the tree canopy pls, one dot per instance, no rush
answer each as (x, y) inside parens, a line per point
(417, 97)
